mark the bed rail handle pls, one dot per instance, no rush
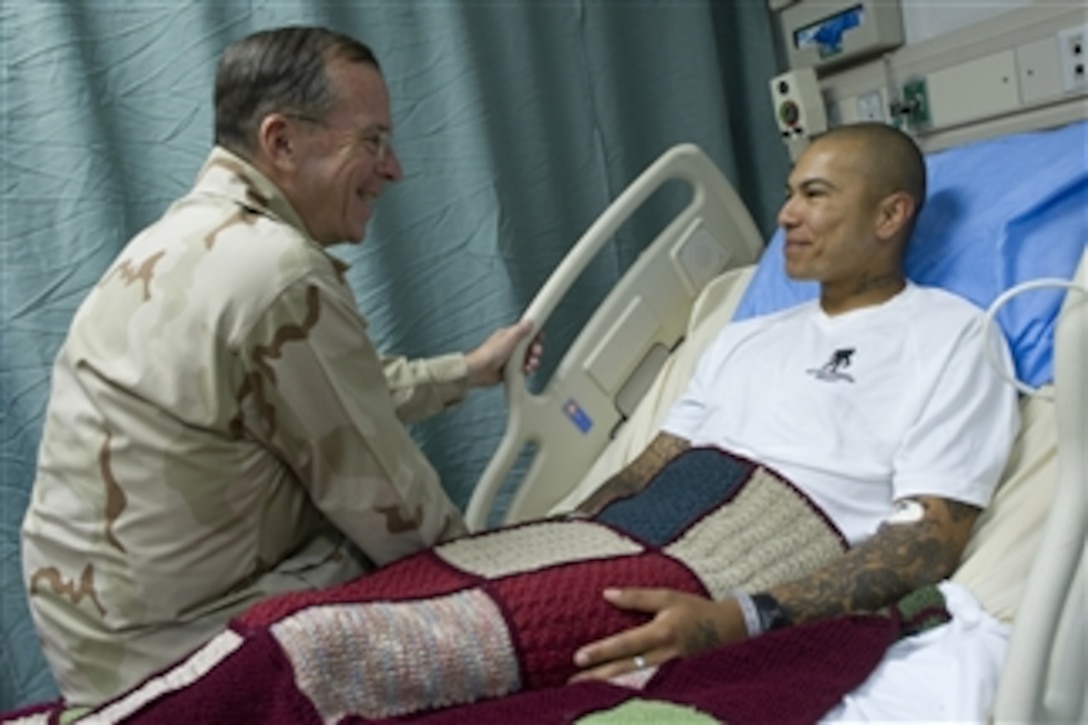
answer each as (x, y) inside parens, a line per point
(1023, 695)
(684, 162)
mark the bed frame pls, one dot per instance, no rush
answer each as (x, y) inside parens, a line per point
(709, 248)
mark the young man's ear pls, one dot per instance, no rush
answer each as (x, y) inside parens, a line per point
(894, 214)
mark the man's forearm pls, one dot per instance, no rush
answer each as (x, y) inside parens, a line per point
(898, 559)
(633, 477)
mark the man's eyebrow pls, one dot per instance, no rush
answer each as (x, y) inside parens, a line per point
(369, 133)
(811, 183)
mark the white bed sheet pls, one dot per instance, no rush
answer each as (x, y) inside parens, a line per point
(947, 674)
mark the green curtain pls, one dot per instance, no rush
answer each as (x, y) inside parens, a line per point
(516, 122)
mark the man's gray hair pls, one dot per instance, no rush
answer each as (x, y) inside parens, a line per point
(278, 70)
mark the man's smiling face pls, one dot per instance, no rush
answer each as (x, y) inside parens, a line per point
(344, 160)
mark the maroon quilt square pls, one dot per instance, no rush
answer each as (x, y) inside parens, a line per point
(554, 611)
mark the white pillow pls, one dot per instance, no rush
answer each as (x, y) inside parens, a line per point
(1006, 538)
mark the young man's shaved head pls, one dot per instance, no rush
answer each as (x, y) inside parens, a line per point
(888, 157)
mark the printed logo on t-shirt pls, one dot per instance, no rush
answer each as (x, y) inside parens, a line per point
(831, 371)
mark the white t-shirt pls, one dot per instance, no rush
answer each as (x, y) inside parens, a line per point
(862, 408)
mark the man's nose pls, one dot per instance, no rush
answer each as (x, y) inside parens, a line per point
(390, 166)
(787, 215)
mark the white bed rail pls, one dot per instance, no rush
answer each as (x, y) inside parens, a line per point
(616, 356)
(1046, 668)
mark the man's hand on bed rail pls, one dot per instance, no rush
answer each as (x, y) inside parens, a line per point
(486, 362)
(921, 544)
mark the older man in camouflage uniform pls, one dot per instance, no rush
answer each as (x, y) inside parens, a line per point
(221, 427)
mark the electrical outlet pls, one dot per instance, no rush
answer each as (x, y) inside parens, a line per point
(871, 106)
(1073, 56)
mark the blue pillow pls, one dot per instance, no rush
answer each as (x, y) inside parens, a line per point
(999, 212)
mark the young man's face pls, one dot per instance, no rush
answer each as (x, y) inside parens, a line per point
(344, 160)
(829, 216)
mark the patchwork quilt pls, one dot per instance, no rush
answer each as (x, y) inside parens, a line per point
(484, 628)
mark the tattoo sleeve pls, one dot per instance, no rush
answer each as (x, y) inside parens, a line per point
(898, 559)
(633, 477)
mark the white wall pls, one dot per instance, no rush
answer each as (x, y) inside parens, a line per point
(924, 19)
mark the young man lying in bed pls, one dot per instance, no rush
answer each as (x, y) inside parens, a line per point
(877, 402)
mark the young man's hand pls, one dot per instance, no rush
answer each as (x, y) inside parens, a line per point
(682, 625)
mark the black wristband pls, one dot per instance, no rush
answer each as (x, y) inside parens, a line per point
(771, 614)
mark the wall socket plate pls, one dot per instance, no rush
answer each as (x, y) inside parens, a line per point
(1073, 58)
(871, 106)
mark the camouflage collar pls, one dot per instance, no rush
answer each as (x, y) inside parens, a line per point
(228, 174)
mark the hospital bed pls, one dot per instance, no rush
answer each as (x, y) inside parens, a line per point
(1023, 572)
(1027, 263)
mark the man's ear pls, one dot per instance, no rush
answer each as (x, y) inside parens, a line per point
(276, 141)
(894, 213)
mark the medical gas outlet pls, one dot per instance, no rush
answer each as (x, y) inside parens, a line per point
(799, 108)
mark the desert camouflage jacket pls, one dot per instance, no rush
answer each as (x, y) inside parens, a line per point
(220, 428)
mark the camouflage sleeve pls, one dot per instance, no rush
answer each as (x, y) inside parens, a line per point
(422, 388)
(317, 393)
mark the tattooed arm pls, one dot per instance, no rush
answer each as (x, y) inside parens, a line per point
(898, 559)
(633, 477)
